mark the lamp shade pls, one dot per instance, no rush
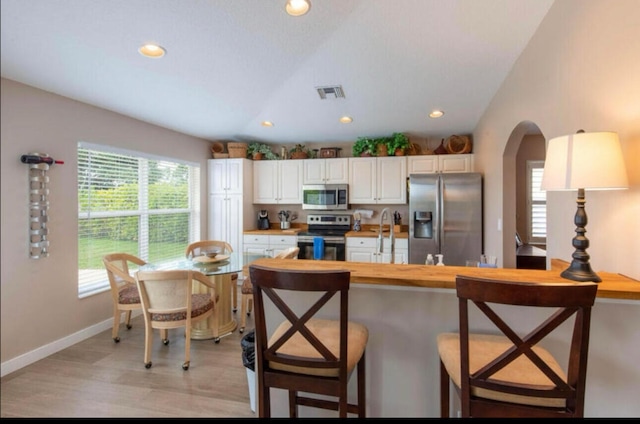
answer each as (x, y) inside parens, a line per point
(592, 161)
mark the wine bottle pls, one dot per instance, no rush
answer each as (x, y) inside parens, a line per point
(35, 159)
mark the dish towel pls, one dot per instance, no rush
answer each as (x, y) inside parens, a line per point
(318, 248)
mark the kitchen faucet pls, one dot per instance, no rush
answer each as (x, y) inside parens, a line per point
(392, 238)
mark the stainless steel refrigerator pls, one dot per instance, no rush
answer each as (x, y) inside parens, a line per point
(445, 217)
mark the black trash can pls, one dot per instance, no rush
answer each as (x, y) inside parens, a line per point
(248, 344)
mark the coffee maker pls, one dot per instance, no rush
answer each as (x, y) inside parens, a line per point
(263, 220)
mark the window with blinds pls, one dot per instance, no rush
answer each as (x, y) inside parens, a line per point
(133, 203)
(537, 203)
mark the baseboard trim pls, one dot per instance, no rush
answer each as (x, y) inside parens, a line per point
(42, 352)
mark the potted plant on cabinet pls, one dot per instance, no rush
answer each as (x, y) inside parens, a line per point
(381, 146)
(397, 144)
(299, 151)
(259, 151)
(364, 146)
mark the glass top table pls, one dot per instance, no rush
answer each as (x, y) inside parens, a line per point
(233, 264)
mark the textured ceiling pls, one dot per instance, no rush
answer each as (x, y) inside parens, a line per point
(231, 64)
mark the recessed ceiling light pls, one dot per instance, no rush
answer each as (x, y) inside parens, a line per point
(297, 7)
(152, 50)
(346, 119)
(436, 114)
(267, 124)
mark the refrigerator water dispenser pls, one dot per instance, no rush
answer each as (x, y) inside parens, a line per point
(422, 225)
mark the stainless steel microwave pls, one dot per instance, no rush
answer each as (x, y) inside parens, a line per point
(325, 197)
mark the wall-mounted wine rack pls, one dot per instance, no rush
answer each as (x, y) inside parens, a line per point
(38, 202)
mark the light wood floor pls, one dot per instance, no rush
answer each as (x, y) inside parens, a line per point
(100, 378)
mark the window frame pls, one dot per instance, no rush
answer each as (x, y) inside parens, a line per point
(538, 167)
(98, 280)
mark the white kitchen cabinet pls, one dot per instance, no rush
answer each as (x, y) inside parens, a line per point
(378, 180)
(228, 176)
(325, 171)
(430, 164)
(230, 208)
(401, 251)
(277, 182)
(365, 249)
(265, 244)
(281, 242)
(361, 249)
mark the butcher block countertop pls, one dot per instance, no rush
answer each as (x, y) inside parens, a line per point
(613, 286)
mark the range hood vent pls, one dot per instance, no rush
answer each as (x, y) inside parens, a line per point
(330, 91)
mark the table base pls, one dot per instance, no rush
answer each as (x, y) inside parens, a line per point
(203, 330)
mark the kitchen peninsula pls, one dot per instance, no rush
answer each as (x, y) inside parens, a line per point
(406, 306)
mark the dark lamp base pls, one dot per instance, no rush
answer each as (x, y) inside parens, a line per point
(580, 271)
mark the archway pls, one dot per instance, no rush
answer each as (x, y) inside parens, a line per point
(509, 189)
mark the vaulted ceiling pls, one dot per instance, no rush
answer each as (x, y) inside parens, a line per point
(231, 64)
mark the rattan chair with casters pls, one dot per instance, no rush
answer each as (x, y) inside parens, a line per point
(199, 247)
(168, 302)
(511, 374)
(123, 288)
(246, 302)
(307, 354)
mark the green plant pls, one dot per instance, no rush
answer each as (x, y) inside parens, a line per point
(364, 145)
(397, 141)
(265, 149)
(300, 150)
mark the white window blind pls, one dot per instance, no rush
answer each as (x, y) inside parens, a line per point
(537, 200)
(133, 203)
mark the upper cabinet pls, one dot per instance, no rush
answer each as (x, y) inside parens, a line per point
(378, 180)
(428, 164)
(326, 171)
(277, 181)
(227, 176)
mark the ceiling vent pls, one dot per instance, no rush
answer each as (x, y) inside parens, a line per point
(331, 92)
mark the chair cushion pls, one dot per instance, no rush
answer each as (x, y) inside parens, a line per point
(483, 348)
(128, 295)
(200, 303)
(328, 331)
(247, 286)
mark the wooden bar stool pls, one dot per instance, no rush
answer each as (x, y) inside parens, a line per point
(306, 353)
(511, 374)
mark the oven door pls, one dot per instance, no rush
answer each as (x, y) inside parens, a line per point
(333, 251)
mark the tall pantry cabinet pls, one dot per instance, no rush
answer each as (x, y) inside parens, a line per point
(230, 200)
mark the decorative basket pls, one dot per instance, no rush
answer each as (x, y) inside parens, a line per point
(329, 152)
(458, 144)
(217, 149)
(414, 149)
(237, 150)
(220, 155)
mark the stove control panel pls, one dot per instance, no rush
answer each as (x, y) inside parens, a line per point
(338, 220)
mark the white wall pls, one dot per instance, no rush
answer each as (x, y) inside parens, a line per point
(40, 302)
(581, 70)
